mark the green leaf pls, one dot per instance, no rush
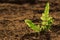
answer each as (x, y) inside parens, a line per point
(32, 25)
(44, 23)
(46, 19)
(47, 9)
(45, 15)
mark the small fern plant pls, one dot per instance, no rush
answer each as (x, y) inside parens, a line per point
(45, 24)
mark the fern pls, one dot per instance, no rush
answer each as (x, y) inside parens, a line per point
(45, 24)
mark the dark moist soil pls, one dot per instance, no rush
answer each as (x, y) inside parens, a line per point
(13, 14)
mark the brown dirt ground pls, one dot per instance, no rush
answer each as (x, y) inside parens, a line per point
(12, 16)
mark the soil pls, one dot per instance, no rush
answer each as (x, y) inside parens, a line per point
(13, 14)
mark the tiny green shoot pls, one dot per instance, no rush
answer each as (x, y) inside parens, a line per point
(45, 24)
